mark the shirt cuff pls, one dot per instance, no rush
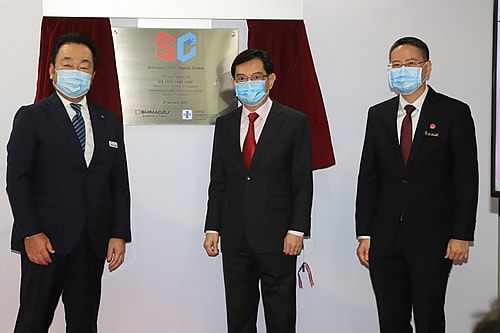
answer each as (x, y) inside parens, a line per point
(296, 233)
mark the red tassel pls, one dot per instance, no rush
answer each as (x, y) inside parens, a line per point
(305, 267)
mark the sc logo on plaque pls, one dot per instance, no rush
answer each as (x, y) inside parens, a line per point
(168, 50)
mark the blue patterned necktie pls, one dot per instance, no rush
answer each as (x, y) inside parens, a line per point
(79, 124)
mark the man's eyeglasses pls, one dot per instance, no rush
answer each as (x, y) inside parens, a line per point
(409, 63)
(240, 78)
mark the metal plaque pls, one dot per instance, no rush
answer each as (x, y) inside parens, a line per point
(175, 76)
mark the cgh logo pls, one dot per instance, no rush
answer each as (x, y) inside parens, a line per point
(168, 50)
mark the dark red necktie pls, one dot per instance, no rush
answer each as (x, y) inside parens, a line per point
(249, 144)
(406, 134)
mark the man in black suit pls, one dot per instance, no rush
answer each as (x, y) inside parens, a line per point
(416, 206)
(69, 194)
(260, 206)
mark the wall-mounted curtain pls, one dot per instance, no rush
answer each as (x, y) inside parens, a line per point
(105, 90)
(297, 84)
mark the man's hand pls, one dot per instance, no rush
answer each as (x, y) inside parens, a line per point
(457, 250)
(362, 252)
(116, 253)
(211, 244)
(292, 245)
(39, 248)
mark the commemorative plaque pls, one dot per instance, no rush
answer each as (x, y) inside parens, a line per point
(175, 76)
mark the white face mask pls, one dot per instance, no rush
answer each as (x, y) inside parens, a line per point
(73, 83)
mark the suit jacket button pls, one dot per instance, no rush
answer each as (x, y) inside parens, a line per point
(248, 178)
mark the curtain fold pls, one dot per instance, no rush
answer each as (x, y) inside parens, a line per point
(297, 84)
(105, 90)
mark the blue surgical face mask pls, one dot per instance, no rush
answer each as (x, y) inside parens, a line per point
(73, 83)
(251, 93)
(405, 80)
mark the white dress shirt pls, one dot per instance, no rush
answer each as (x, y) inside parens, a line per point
(89, 136)
(263, 112)
(415, 115)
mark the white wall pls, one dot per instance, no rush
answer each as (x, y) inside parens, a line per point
(168, 284)
(20, 36)
(194, 9)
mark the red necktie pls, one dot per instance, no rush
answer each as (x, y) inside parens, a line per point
(406, 134)
(249, 144)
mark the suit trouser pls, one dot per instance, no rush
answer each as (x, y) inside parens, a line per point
(405, 281)
(276, 273)
(76, 276)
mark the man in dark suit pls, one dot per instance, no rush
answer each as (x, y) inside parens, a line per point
(69, 193)
(261, 205)
(417, 194)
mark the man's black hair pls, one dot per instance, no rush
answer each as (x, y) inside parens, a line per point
(413, 41)
(251, 54)
(74, 38)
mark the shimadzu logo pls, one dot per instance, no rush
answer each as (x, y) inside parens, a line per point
(169, 49)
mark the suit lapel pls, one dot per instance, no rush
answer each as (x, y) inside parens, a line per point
(98, 129)
(57, 112)
(233, 128)
(426, 115)
(392, 127)
(273, 123)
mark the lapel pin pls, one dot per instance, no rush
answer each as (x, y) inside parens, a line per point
(432, 131)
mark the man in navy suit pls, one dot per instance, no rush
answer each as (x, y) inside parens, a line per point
(417, 194)
(69, 194)
(260, 206)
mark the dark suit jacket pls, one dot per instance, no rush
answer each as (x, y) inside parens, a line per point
(274, 195)
(50, 187)
(435, 195)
